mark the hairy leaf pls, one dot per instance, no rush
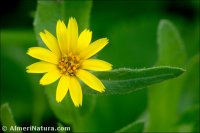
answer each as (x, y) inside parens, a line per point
(126, 80)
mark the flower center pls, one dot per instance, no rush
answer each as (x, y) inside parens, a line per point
(69, 64)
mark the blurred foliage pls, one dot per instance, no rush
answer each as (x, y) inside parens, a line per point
(131, 27)
(163, 98)
(7, 117)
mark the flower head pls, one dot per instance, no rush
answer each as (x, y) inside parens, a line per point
(68, 59)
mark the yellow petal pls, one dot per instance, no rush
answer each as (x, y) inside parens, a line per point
(50, 77)
(72, 33)
(90, 80)
(43, 54)
(62, 88)
(41, 67)
(93, 48)
(50, 41)
(75, 91)
(61, 32)
(96, 65)
(84, 39)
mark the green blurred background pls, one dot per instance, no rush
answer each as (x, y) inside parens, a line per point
(131, 27)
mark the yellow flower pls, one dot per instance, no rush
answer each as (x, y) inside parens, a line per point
(68, 59)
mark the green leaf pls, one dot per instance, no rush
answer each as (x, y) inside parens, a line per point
(7, 120)
(125, 80)
(164, 98)
(49, 12)
(171, 50)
